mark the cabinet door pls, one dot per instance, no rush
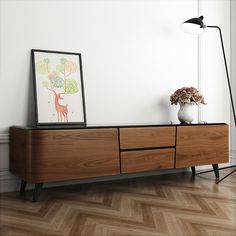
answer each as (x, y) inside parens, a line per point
(201, 145)
(72, 154)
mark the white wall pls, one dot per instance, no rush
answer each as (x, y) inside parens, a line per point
(131, 53)
(213, 75)
(233, 75)
(134, 57)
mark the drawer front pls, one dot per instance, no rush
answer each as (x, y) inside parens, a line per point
(73, 154)
(147, 160)
(145, 137)
(202, 145)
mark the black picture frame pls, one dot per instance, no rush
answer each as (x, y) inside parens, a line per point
(58, 89)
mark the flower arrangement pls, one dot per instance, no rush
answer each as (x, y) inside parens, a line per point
(186, 95)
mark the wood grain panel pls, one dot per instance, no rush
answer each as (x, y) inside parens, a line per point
(147, 160)
(18, 151)
(56, 155)
(147, 137)
(202, 145)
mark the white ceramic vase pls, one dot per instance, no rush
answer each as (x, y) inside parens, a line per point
(186, 113)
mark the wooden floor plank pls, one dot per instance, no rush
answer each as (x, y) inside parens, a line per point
(173, 204)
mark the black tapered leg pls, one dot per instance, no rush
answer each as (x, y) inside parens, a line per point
(22, 187)
(37, 189)
(193, 170)
(216, 170)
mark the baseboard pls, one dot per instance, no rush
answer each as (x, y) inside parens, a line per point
(4, 138)
(8, 182)
(233, 157)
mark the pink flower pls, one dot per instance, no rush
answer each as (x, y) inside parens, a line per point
(187, 95)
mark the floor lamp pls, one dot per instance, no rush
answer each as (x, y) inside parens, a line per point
(196, 26)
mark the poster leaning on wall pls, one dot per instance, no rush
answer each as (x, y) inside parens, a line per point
(59, 91)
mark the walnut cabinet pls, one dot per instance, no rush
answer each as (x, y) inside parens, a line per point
(47, 155)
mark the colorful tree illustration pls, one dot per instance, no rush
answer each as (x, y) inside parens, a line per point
(59, 78)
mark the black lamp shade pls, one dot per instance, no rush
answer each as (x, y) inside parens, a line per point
(197, 21)
(193, 25)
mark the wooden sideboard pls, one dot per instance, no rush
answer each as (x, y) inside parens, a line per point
(48, 155)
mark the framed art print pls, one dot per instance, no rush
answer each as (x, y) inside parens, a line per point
(59, 91)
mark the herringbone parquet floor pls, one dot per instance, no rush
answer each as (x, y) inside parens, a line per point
(164, 205)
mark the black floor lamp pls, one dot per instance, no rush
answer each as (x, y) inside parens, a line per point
(196, 26)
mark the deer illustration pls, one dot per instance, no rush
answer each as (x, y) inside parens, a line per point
(62, 110)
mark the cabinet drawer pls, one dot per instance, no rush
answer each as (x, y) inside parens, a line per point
(147, 160)
(147, 137)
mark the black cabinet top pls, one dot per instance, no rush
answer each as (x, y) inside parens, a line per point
(113, 126)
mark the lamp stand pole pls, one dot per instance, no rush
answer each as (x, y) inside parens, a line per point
(227, 72)
(231, 99)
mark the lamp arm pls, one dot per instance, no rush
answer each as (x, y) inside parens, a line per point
(226, 69)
